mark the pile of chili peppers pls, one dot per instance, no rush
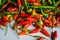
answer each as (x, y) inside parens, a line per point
(39, 13)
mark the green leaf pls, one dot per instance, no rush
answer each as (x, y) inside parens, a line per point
(25, 3)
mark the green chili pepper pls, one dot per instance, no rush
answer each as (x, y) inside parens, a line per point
(44, 7)
(25, 3)
(8, 13)
(53, 2)
(44, 13)
(29, 10)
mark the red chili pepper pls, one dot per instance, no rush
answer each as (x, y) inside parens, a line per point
(22, 33)
(15, 26)
(24, 14)
(45, 32)
(32, 0)
(35, 31)
(58, 18)
(34, 20)
(15, 16)
(22, 22)
(29, 1)
(27, 24)
(50, 17)
(5, 19)
(29, 18)
(41, 38)
(54, 35)
(19, 3)
(5, 5)
(57, 24)
(47, 22)
(11, 9)
(2, 23)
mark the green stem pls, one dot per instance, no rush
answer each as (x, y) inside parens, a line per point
(50, 1)
(21, 8)
(7, 13)
(6, 29)
(25, 2)
(44, 13)
(17, 33)
(43, 7)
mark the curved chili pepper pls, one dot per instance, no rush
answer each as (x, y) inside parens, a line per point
(12, 9)
(5, 19)
(35, 31)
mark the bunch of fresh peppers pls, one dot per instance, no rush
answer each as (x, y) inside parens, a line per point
(39, 13)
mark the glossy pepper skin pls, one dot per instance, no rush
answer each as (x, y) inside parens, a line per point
(41, 38)
(19, 3)
(5, 18)
(12, 9)
(45, 32)
(2, 23)
(54, 35)
(35, 31)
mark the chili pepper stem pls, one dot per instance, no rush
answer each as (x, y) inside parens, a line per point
(6, 30)
(17, 34)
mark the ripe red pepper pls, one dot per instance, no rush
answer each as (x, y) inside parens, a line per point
(57, 24)
(5, 19)
(29, 1)
(35, 31)
(22, 33)
(23, 14)
(30, 18)
(47, 22)
(15, 26)
(15, 16)
(27, 24)
(22, 22)
(12, 9)
(2, 23)
(41, 38)
(54, 35)
(58, 18)
(45, 32)
(19, 3)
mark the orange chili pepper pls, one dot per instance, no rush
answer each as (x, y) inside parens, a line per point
(19, 3)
